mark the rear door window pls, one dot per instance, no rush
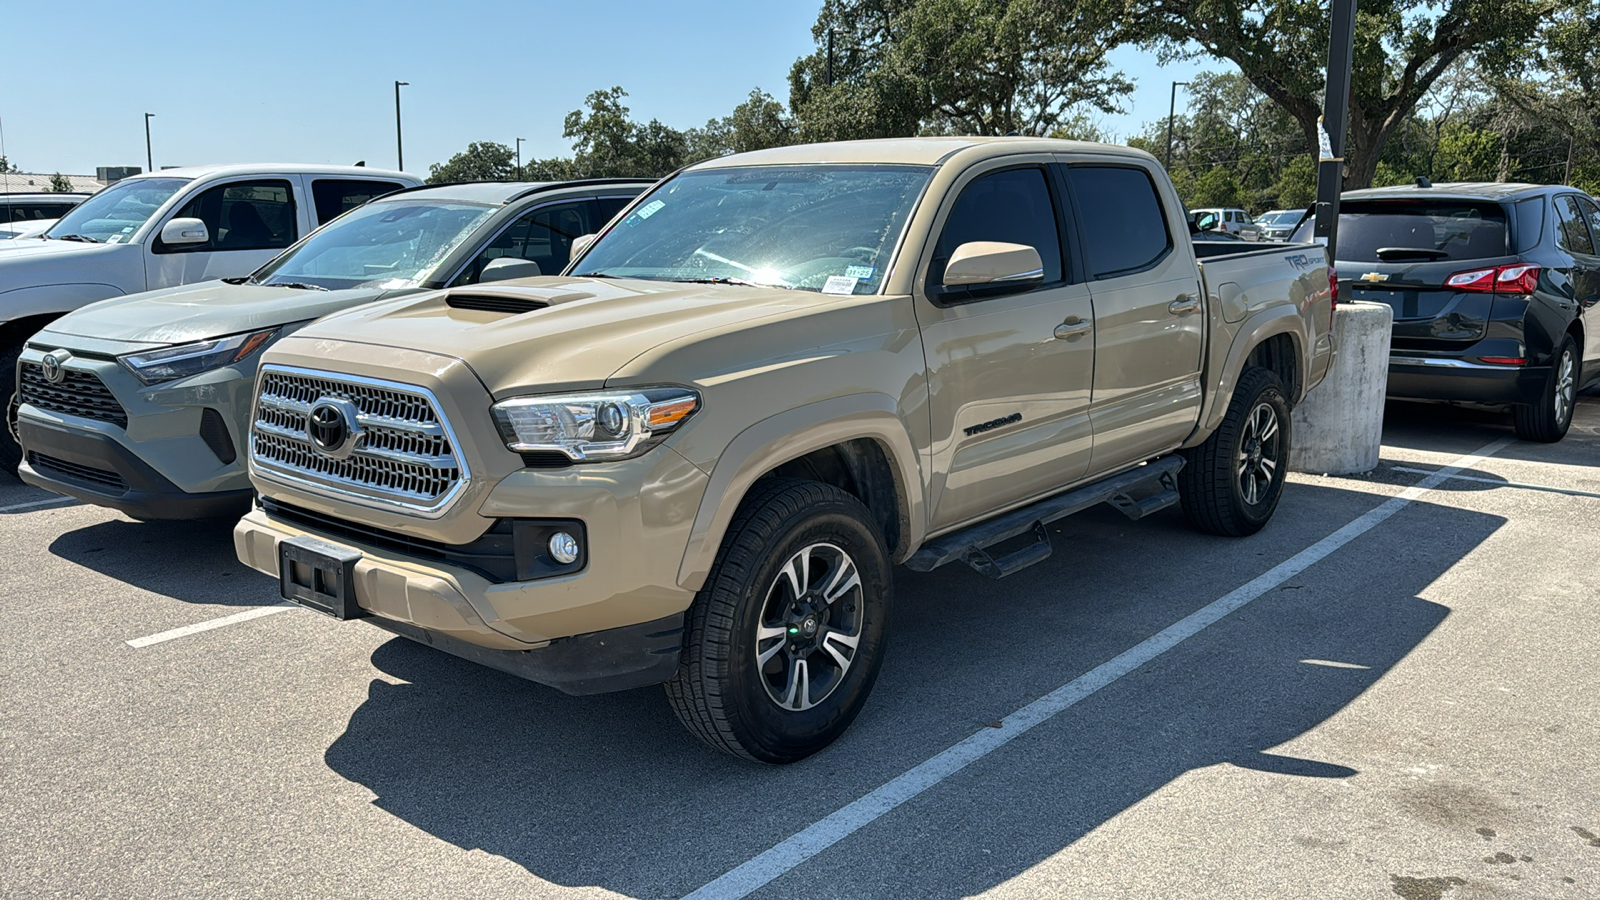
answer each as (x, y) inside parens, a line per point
(1572, 232)
(1420, 231)
(1591, 212)
(1127, 230)
(1012, 206)
(334, 197)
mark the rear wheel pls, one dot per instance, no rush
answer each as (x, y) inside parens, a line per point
(1548, 420)
(784, 641)
(1232, 482)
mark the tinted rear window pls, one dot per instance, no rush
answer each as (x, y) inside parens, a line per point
(1126, 230)
(1459, 230)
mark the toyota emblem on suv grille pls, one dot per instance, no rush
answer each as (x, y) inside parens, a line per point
(52, 363)
(332, 427)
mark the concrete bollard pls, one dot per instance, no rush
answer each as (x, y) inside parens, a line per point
(1338, 429)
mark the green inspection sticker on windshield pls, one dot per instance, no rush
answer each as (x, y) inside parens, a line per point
(862, 272)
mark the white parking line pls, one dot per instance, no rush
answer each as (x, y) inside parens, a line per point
(51, 502)
(209, 624)
(810, 841)
(1510, 484)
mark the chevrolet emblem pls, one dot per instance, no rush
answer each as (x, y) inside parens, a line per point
(1374, 276)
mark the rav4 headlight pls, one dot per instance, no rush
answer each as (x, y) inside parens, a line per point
(594, 427)
(171, 363)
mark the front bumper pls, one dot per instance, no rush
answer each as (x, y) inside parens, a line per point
(95, 468)
(571, 633)
(1414, 377)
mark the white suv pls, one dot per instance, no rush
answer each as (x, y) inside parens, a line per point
(1235, 222)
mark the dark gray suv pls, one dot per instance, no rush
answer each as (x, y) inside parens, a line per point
(1494, 289)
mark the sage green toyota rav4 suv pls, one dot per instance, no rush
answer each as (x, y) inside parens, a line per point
(141, 403)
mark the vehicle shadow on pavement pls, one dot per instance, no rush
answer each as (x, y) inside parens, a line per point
(189, 561)
(610, 791)
(1422, 426)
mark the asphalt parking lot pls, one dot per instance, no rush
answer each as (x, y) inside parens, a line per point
(1392, 691)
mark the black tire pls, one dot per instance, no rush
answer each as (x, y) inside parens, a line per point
(1548, 420)
(720, 691)
(1217, 497)
(10, 450)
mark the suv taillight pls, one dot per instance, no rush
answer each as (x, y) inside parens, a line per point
(1514, 279)
(1333, 296)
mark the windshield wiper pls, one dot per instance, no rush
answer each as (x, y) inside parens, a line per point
(725, 280)
(300, 285)
(84, 238)
(595, 275)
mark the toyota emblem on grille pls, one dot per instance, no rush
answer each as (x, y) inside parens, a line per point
(332, 427)
(52, 363)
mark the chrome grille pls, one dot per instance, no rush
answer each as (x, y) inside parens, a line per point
(78, 393)
(405, 456)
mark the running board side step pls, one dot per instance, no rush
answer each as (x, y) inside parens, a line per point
(1135, 493)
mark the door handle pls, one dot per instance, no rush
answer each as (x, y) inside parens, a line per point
(1073, 329)
(1185, 304)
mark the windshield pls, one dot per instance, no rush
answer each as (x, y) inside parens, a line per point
(1430, 230)
(113, 215)
(828, 228)
(390, 244)
(1279, 218)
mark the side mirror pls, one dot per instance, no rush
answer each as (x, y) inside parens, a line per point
(1205, 222)
(508, 267)
(992, 263)
(182, 232)
(580, 244)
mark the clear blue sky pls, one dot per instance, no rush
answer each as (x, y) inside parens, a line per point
(314, 81)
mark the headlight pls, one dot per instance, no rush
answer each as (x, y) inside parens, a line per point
(170, 363)
(594, 427)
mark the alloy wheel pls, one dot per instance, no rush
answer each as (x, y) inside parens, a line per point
(809, 627)
(1566, 387)
(1259, 449)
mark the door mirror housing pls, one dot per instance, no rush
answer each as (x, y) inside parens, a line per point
(580, 244)
(994, 264)
(1205, 222)
(185, 232)
(506, 268)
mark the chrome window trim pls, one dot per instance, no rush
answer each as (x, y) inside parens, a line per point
(290, 479)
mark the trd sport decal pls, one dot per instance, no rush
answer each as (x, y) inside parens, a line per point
(1012, 419)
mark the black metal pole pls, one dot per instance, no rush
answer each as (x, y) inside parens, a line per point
(1335, 121)
(830, 58)
(1172, 113)
(399, 141)
(519, 159)
(149, 157)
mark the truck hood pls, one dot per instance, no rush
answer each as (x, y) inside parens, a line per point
(196, 312)
(581, 331)
(28, 262)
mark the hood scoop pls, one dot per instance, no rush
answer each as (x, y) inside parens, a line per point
(508, 301)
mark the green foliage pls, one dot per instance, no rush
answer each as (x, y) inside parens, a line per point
(481, 161)
(1216, 187)
(6, 166)
(756, 124)
(60, 183)
(1297, 184)
(1402, 48)
(987, 67)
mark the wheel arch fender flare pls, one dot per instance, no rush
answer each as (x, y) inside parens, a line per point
(792, 434)
(1269, 323)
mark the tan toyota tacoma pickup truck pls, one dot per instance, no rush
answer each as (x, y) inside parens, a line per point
(696, 457)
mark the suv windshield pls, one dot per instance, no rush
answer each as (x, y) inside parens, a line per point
(1279, 218)
(389, 244)
(811, 227)
(114, 214)
(1417, 230)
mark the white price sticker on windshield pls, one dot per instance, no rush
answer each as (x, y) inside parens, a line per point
(840, 284)
(650, 209)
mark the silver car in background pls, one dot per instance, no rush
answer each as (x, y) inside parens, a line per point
(1278, 224)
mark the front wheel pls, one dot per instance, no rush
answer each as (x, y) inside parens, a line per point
(10, 450)
(784, 641)
(1232, 482)
(1548, 420)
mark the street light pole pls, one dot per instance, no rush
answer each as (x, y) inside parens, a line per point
(519, 159)
(149, 157)
(1172, 113)
(399, 141)
(1335, 120)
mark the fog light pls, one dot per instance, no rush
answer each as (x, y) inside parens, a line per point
(564, 548)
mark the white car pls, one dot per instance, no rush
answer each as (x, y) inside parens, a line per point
(10, 231)
(1235, 222)
(163, 229)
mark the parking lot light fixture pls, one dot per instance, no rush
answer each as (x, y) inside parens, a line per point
(149, 157)
(399, 141)
(519, 158)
